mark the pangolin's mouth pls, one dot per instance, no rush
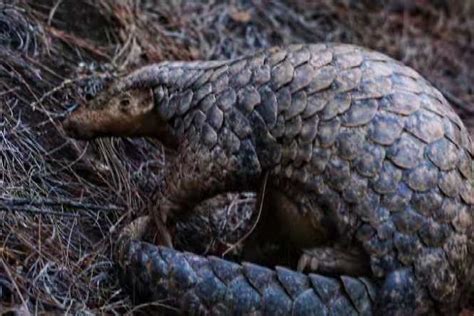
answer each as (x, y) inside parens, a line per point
(76, 131)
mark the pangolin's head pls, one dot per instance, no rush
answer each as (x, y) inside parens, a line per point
(113, 112)
(120, 112)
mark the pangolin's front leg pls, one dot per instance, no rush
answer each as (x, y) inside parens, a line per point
(217, 225)
(200, 173)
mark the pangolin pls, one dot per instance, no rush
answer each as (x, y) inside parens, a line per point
(360, 162)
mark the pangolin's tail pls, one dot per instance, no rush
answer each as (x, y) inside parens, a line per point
(199, 286)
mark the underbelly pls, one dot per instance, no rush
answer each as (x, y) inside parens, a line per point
(300, 219)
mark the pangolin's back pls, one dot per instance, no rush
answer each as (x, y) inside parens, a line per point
(377, 144)
(383, 150)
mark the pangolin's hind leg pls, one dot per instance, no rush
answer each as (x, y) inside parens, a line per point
(267, 244)
(285, 225)
(302, 228)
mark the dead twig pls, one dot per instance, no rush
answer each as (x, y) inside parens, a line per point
(79, 42)
(62, 202)
(15, 285)
(34, 210)
(53, 11)
(456, 101)
(260, 208)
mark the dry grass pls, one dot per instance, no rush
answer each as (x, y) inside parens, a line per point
(63, 202)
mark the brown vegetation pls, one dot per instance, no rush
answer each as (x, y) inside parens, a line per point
(63, 202)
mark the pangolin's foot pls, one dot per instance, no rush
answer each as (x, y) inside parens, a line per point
(137, 229)
(145, 229)
(329, 260)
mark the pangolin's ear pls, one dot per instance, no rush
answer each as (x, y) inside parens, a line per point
(143, 100)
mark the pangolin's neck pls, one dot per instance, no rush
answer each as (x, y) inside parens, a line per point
(177, 86)
(174, 75)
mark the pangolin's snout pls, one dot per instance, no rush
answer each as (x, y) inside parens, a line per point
(74, 130)
(70, 127)
(74, 125)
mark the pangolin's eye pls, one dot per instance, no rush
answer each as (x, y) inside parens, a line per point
(124, 102)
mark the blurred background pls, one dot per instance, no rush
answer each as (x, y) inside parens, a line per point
(63, 202)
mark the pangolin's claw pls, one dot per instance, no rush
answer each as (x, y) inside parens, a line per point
(334, 261)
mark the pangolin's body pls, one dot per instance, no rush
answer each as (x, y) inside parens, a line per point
(370, 153)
